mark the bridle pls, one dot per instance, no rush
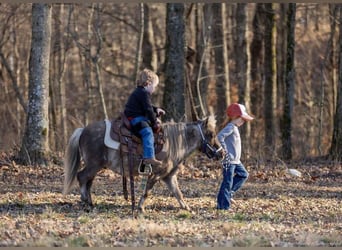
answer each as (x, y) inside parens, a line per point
(206, 148)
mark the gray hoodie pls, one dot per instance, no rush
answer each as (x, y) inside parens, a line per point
(229, 138)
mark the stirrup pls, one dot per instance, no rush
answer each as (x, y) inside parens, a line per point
(144, 169)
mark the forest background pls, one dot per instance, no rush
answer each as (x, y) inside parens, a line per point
(280, 60)
(63, 66)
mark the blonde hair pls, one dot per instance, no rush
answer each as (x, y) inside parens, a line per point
(147, 77)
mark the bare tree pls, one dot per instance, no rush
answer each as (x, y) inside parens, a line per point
(35, 143)
(240, 45)
(203, 35)
(138, 56)
(9, 62)
(289, 84)
(221, 60)
(281, 54)
(325, 64)
(270, 68)
(97, 57)
(59, 48)
(243, 67)
(256, 50)
(84, 53)
(190, 103)
(149, 59)
(336, 144)
(174, 101)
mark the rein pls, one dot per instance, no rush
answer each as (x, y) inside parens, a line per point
(206, 148)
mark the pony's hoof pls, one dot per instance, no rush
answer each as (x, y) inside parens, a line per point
(141, 210)
(85, 206)
(86, 202)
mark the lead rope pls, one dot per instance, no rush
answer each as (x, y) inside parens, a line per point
(200, 129)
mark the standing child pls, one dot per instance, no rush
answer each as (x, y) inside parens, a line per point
(234, 172)
(143, 115)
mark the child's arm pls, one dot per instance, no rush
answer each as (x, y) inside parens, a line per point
(223, 134)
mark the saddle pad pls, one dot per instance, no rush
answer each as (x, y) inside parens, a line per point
(108, 141)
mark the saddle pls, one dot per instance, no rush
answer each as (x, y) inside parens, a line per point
(131, 145)
(122, 132)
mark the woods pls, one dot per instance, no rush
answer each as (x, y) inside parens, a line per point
(280, 60)
(64, 66)
(35, 142)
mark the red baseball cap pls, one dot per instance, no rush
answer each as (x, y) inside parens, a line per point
(238, 110)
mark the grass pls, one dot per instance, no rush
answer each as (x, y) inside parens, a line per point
(277, 211)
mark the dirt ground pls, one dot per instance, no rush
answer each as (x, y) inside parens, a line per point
(273, 208)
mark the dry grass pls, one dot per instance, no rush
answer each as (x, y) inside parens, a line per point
(273, 209)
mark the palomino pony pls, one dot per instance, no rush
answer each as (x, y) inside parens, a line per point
(181, 139)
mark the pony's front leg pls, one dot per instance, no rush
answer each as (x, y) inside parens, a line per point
(149, 185)
(172, 183)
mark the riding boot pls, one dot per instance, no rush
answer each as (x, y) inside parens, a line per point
(152, 161)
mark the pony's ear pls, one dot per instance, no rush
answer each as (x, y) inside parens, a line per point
(210, 122)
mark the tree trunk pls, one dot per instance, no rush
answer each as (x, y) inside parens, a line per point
(257, 59)
(336, 144)
(190, 25)
(334, 12)
(138, 55)
(221, 61)
(96, 59)
(240, 45)
(281, 55)
(84, 51)
(149, 59)
(174, 101)
(61, 90)
(201, 81)
(289, 84)
(35, 144)
(325, 65)
(58, 121)
(243, 69)
(270, 90)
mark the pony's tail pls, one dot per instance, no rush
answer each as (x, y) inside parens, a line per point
(72, 160)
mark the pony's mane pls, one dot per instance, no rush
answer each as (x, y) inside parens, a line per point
(176, 139)
(212, 123)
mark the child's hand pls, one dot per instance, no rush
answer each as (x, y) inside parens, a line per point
(224, 152)
(157, 126)
(160, 112)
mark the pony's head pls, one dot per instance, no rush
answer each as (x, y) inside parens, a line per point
(208, 133)
(208, 126)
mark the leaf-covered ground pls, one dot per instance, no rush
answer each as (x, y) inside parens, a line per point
(272, 209)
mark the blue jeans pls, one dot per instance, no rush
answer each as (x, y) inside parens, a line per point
(147, 137)
(234, 176)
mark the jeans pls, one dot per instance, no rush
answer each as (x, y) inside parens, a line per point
(147, 137)
(234, 176)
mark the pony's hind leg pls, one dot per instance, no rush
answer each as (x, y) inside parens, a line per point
(85, 179)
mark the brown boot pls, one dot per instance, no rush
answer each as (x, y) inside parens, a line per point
(152, 161)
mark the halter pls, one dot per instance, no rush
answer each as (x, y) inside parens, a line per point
(206, 148)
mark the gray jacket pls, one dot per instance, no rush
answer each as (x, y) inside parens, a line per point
(229, 138)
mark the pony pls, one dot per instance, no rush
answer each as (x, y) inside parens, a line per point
(180, 140)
